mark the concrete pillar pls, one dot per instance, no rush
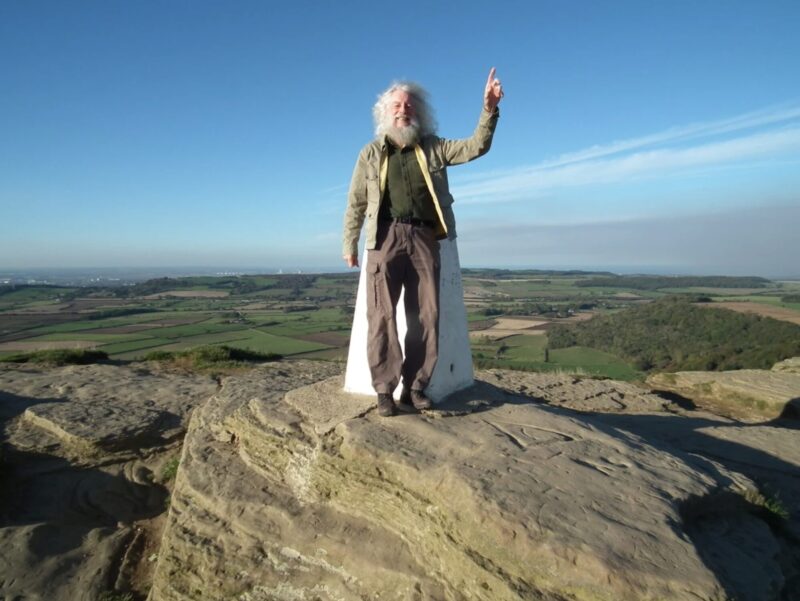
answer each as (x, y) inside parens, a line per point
(454, 367)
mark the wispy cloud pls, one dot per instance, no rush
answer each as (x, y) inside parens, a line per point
(338, 189)
(777, 135)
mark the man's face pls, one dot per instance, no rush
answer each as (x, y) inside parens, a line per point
(401, 108)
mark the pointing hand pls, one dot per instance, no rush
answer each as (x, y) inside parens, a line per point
(493, 92)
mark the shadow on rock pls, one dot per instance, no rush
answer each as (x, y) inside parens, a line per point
(790, 416)
(43, 489)
(12, 405)
(734, 525)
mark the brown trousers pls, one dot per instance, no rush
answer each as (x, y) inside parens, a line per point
(405, 257)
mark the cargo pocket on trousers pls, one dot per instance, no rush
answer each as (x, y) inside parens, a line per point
(375, 283)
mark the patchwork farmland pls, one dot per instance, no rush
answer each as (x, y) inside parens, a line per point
(299, 315)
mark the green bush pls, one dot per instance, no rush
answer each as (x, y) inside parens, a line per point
(159, 356)
(58, 357)
(212, 356)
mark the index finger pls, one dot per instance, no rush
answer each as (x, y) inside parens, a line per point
(491, 76)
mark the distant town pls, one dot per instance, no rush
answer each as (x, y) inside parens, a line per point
(111, 276)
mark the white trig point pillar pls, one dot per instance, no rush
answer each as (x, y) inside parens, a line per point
(453, 369)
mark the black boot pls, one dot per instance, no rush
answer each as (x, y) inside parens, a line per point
(416, 399)
(385, 404)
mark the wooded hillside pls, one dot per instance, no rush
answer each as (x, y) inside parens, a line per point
(673, 334)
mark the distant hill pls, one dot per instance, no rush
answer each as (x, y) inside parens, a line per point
(657, 282)
(672, 334)
(502, 274)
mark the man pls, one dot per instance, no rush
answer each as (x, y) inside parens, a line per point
(400, 186)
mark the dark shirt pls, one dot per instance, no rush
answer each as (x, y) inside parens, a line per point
(406, 193)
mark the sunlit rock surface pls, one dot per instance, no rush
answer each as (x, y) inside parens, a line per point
(746, 393)
(526, 486)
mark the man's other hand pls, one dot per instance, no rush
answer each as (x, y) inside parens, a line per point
(492, 93)
(351, 260)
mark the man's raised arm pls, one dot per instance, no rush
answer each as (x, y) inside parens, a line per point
(467, 149)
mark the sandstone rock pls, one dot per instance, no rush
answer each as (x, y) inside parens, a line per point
(83, 450)
(96, 409)
(791, 365)
(744, 393)
(526, 486)
(302, 492)
(581, 394)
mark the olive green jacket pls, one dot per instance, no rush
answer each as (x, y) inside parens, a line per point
(434, 155)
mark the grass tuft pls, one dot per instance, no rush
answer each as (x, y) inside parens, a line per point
(769, 502)
(114, 596)
(170, 469)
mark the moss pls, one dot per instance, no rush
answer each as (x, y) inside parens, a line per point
(170, 469)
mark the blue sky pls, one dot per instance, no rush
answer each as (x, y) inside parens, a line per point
(634, 135)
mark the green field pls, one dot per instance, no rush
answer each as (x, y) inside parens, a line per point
(29, 294)
(311, 315)
(135, 345)
(83, 336)
(527, 352)
(270, 343)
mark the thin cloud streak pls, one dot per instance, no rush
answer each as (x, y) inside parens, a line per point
(532, 181)
(636, 166)
(768, 116)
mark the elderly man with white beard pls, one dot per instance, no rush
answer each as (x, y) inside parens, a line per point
(400, 186)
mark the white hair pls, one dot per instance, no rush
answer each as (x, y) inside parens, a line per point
(426, 121)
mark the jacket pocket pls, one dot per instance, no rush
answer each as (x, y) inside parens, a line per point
(435, 163)
(373, 188)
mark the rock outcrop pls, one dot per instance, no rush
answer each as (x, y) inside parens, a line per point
(791, 365)
(81, 486)
(744, 393)
(527, 486)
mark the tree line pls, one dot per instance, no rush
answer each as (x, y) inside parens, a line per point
(236, 285)
(655, 282)
(673, 334)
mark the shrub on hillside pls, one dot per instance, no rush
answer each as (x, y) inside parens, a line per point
(212, 356)
(58, 357)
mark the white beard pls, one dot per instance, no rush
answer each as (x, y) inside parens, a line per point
(404, 136)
